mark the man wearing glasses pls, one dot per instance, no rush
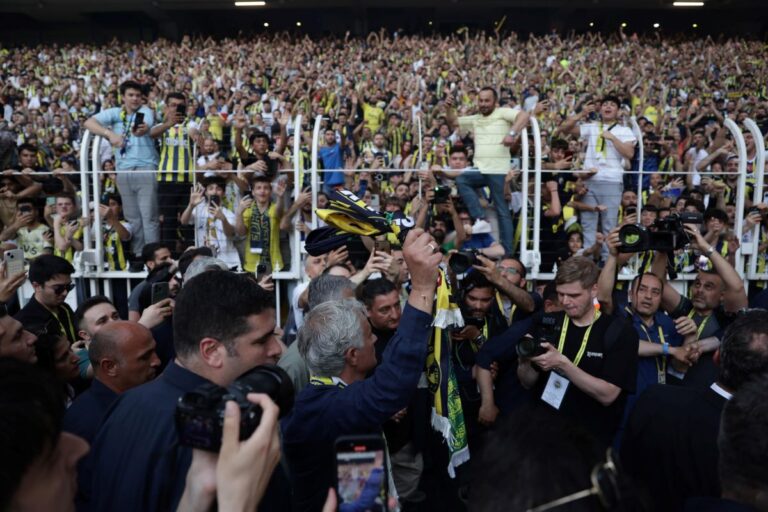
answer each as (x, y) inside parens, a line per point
(51, 278)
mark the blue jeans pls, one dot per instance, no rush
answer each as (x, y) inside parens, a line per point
(472, 179)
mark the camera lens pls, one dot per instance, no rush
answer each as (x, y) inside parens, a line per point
(462, 261)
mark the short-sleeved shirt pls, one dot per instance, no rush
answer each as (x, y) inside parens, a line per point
(608, 160)
(612, 360)
(491, 155)
(140, 152)
(32, 241)
(210, 233)
(331, 158)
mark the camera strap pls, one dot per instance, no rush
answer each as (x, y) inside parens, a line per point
(702, 325)
(661, 361)
(585, 339)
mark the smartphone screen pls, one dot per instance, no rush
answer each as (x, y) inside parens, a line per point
(138, 119)
(361, 473)
(215, 200)
(181, 109)
(383, 246)
(160, 292)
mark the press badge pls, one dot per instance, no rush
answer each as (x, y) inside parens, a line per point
(554, 391)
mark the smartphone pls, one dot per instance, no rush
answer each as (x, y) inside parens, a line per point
(261, 269)
(181, 110)
(50, 201)
(382, 246)
(215, 200)
(375, 201)
(160, 292)
(630, 210)
(138, 119)
(25, 208)
(14, 262)
(361, 469)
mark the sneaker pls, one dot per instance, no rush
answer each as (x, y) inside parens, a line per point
(481, 226)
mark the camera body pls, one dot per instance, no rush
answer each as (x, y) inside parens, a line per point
(460, 262)
(442, 194)
(546, 331)
(200, 412)
(665, 235)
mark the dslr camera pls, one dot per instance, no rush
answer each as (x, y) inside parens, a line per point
(460, 262)
(545, 332)
(200, 412)
(664, 235)
(442, 194)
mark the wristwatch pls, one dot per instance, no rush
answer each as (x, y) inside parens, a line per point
(512, 133)
(709, 251)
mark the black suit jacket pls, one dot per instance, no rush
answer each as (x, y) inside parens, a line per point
(670, 444)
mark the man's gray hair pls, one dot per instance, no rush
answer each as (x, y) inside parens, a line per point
(327, 287)
(329, 330)
(203, 264)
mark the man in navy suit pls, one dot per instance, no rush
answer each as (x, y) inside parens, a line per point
(123, 356)
(670, 442)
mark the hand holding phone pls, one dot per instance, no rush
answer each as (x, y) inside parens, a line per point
(361, 458)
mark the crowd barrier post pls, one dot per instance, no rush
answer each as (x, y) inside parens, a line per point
(536, 192)
(99, 241)
(638, 133)
(741, 151)
(527, 256)
(417, 165)
(313, 168)
(759, 171)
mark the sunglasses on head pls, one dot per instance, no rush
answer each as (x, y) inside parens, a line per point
(604, 486)
(58, 289)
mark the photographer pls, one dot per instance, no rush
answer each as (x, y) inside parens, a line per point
(594, 365)
(224, 325)
(716, 298)
(338, 345)
(663, 340)
(608, 144)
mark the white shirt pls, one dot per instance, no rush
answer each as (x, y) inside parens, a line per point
(223, 247)
(720, 391)
(608, 162)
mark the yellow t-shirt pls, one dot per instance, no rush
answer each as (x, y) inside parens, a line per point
(252, 259)
(216, 127)
(491, 156)
(373, 117)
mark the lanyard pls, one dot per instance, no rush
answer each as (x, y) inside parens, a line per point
(561, 343)
(702, 325)
(512, 310)
(661, 361)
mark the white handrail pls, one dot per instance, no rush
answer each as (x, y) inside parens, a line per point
(741, 151)
(295, 271)
(313, 168)
(95, 169)
(536, 193)
(757, 196)
(527, 256)
(640, 160)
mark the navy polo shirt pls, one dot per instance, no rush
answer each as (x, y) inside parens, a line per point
(84, 416)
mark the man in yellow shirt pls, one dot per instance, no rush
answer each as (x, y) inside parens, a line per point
(258, 219)
(495, 131)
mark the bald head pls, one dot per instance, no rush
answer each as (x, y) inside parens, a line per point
(123, 355)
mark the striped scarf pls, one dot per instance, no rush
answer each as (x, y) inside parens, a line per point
(447, 413)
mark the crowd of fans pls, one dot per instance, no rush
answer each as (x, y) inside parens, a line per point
(491, 392)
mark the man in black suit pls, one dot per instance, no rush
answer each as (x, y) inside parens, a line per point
(743, 449)
(670, 442)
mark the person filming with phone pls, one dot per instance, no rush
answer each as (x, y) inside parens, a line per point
(214, 224)
(127, 129)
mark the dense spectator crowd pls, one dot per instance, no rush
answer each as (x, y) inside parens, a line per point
(415, 331)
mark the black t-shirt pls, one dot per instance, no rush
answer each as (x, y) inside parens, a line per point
(613, 360)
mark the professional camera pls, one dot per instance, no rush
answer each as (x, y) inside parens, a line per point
(665, 235)
(544, 332)
(200, 413)
(462, 261)
(441, 194)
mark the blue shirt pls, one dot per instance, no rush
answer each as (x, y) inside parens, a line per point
(331, 158)
(137, 463)
(661, 331)
(323, 413)
(478, 241)
(140, 152)
(84, 416)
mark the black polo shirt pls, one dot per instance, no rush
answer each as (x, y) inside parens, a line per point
(34, 317)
